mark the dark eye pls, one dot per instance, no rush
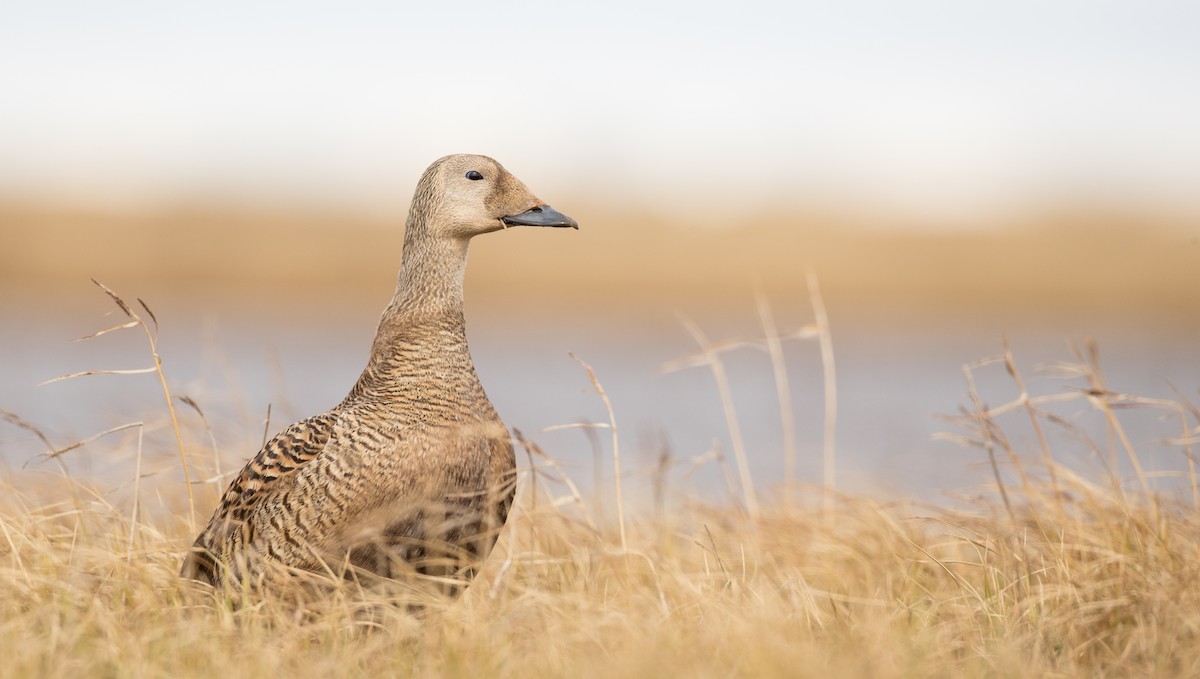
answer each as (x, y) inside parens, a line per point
(474, 176)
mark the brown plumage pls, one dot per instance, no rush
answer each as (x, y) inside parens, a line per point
(413, 471)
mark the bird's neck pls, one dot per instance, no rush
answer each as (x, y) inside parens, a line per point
(422, 334)
(430, 282)
(420, 369)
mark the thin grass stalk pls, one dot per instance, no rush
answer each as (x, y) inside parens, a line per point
(212, 439)
(1183, 406)
(1096, 384)
(531, 449)
(996, 433)
(151, 338)
(612, 424)
(16, 554)
(660, 480)
(829, 373)
(1101, 401)
(727, 475)
(137, 495)
(266, 428)
(94, 437)
(187, 475)
(1098, 395)
(716, 452)
(984, 425)
(1185, 437)
(52, 451)
(533, 489)
(1010, 364)
(1189, 453)
(576, 496)
(783, 390)
(597, 469)
(731, 417)
(589, 431)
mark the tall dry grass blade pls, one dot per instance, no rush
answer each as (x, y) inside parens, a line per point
(137, 497)
(983, 425)
(532, 448)
(16, 554)
(749, 494)
(783, 390)
(150, 313)
(597, 448)
(115, 298)
(212, 439)
(717, 555)
(1185, 440)
(962, 584)
(1096, 383)
(700, 358)
(183, 458)
(85, 373)
(1185, 407)
(1098, 395)
(612, 423)
(533, 490)
(575, 425)
(1010, 365)
(715, 453)
(1191, 407)
(98, 333)
(1075, 431)
(660, 478)
(151, 338)
(59, 452)
(1190, 454)
(266, 428)
(825, 339)
(51, 450)
(987, 416)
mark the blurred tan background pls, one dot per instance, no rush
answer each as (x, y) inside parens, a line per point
(1082, 259)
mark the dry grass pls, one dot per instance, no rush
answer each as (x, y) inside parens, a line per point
(1054, 574)
(876, 590)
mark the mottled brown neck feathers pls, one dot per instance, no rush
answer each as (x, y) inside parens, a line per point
(425, 314)
(430, 282)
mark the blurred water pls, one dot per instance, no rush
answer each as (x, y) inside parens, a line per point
(894, 376)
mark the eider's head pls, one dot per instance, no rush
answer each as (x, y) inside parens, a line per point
(461, 196)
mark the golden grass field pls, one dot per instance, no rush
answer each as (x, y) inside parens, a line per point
(871, 589)
(1047, 573)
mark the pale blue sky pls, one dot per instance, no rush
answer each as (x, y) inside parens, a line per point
(934, 108)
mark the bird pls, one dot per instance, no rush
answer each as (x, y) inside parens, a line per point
(413, 473)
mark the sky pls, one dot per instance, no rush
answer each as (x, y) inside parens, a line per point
(935, 109)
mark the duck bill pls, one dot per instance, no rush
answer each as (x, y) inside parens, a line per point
(542, 215)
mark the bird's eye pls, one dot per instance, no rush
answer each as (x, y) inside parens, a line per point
(474, 176)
